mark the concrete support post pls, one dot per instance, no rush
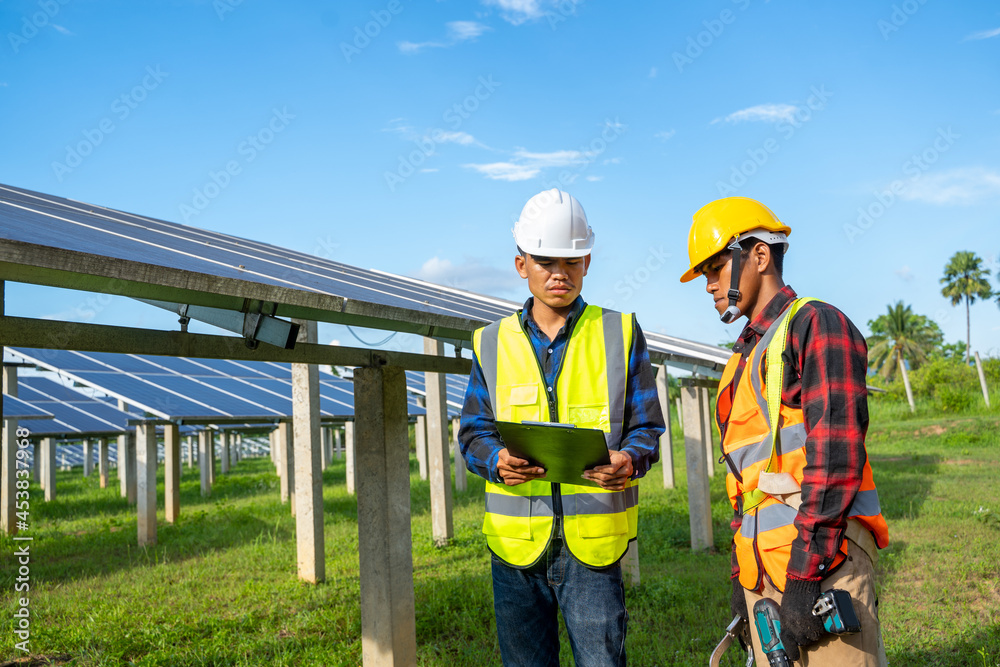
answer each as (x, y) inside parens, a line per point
(461, 479)
(146, 482)
(8, 461)
(239, 447)
(224, 460)
(121, 467)
(349, 449)
(630, 565)
(49, 467)
(172, 472)
(190, 451)
(666, 440)
(982, 380)
(388, 619)
(680, 412)
(438, 454)
(325, 453)
(309, 455)
(699, 501)
(420, 441)
(8, 477)
(710, 456)
(211, 457)
(272, 439)
(88, 457)
(338, 444)
(36, 450)
(102, 462)
(287, 448)
(204, 459)
(130, 468)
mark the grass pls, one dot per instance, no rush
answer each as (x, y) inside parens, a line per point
(220, 588)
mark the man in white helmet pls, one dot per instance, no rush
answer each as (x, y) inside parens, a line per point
(558, 546)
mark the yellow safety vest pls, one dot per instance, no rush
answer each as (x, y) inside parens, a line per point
(590, 392)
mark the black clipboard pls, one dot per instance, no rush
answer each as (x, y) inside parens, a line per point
(564, 450)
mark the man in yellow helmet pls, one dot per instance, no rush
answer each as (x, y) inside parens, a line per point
(556, 547)
(793, 413)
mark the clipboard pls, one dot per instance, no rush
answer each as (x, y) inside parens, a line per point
(564, 450)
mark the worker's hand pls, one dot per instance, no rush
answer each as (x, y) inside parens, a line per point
(612, 477)
(514, 471)
(798, 625)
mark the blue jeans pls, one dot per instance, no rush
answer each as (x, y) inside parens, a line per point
(527, 602)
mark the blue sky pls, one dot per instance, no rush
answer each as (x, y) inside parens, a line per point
(405, 135)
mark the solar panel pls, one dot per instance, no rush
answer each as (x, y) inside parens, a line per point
(15, 408)
(165, 390)
(53, 222)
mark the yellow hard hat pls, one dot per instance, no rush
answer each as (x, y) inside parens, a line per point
(718, 222)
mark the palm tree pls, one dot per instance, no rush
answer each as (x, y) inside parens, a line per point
(901, 334)
(965, 278)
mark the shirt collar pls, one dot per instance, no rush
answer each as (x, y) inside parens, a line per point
(527, 320)
(760, 324)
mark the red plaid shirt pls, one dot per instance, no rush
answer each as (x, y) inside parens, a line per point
(826, 364)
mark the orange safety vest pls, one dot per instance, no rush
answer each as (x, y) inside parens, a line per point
(764, 541)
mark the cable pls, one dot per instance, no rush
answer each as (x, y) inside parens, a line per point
(381, 342)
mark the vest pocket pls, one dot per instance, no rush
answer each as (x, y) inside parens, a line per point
(594, 415)
(601, 525)
(522, 400)
(504, 526)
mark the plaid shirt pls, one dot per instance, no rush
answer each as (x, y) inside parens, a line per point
(826, 364)
(643, 421)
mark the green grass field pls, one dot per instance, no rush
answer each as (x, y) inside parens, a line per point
(220, 586)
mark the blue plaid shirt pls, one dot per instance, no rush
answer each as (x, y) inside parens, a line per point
(643, 422)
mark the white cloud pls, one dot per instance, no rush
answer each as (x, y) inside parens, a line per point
(471, 274)
(594, 179)
(665, 135)
(612, 160)
(905, 273)
(461, 31)
(61, 29)
(463, 138)
(983, 34)
(504, 171)
(957, 186)
(517, 12)
(410, 48)
(458, 31)
(429, 170)
(653, 72)
(769, 113)
(527, 164)
(406, 132)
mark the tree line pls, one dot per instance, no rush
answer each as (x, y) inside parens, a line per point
(902, 340)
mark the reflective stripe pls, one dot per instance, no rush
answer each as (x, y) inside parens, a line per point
(600, 503)
(519, 506)
(779, 515)
(768, 518)
(866, 504)
(614, 351)
(488, 359)
(792, 437)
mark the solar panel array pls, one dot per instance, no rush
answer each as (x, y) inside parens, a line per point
(179, 388)
(46, 221)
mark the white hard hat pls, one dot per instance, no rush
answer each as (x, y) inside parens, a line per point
(553, 224)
